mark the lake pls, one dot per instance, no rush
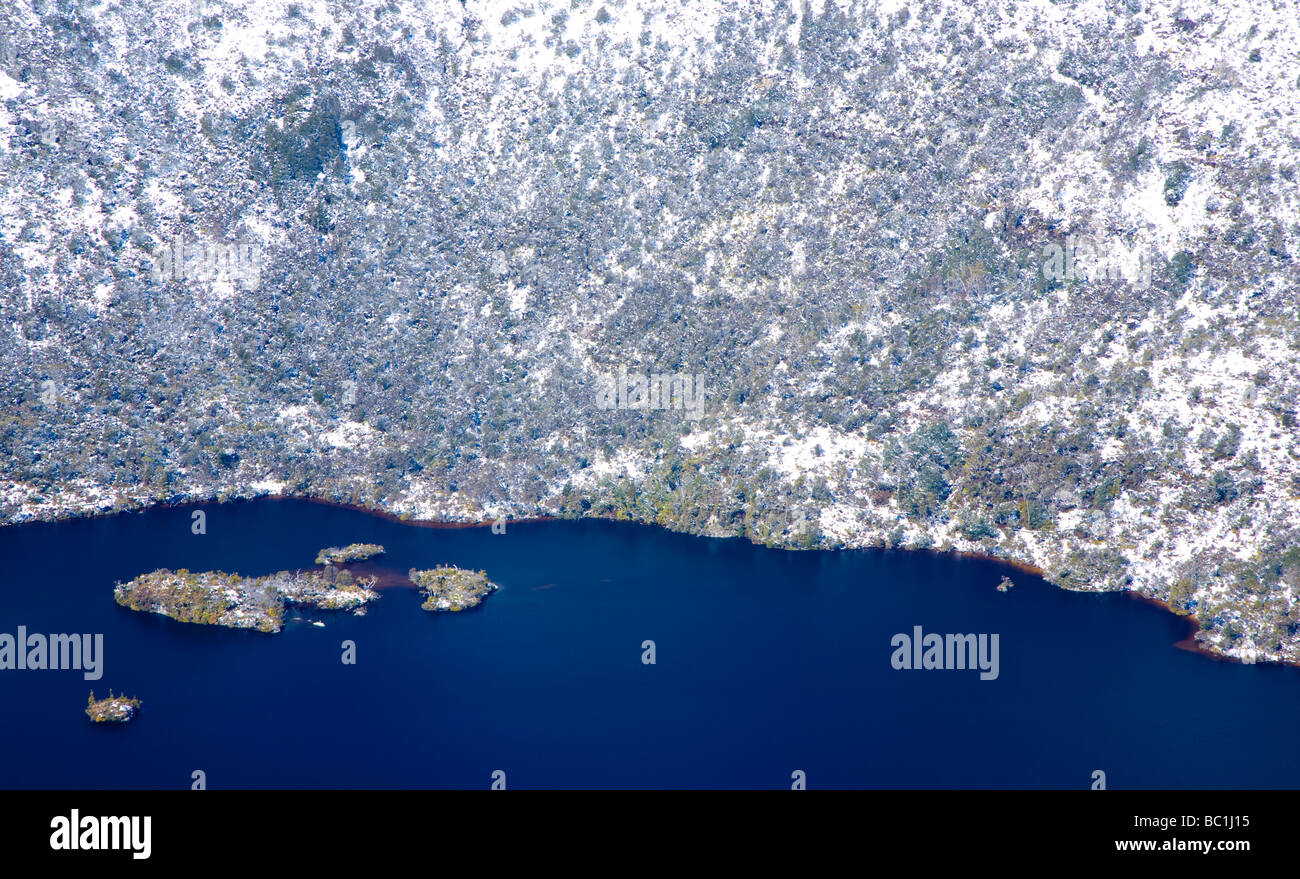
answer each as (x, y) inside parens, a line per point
(766, 663)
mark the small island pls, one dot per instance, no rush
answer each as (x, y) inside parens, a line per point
(113, 709)
(451, 588)
(221, 599)
(1005, 584)
(353, 552)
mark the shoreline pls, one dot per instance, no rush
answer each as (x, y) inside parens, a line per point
(1187, 643)
(392, 517)
(1022, 567)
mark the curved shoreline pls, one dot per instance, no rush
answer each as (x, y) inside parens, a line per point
(394, 517)
(1022, 567)
(1187, 643)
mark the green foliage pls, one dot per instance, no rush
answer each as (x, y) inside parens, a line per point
(1177, 176)
(1228, 444)
(1223, 487)
(181, 595)
(218, 598)
(1140, 159)
(112, 708)
(451, 588)
(350, 553)
(1102, 568)
(1180, 594)
(973, 528)
(921, 464)
(309, 141)
(1105, 492)
(1182, 268)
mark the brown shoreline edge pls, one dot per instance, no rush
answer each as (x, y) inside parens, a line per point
(1187, 643)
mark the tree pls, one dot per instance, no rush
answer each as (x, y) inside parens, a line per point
(1180, 594)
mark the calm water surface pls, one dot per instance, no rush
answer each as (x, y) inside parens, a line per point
(767, 662)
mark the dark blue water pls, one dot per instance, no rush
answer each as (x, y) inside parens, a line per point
(767, 662)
